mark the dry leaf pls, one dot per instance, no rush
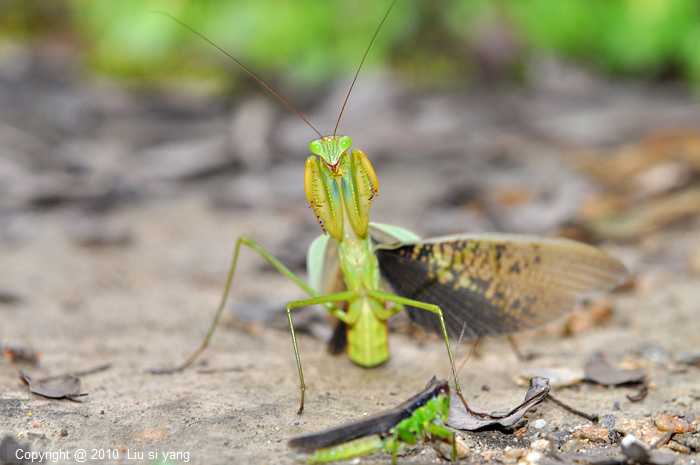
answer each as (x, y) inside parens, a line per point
(58, 387)
(599, 371)
(464, 418)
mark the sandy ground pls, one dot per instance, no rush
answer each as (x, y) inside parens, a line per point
(85, 308)
(144, 298)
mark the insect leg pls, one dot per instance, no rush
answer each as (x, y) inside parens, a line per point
(324, 299)
(276, 264)
(392, 445)
(430, 308)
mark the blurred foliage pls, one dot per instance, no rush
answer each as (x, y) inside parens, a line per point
(647, 37)
(309, 41)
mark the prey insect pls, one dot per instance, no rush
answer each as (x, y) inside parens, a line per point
(423, 417)
(478, 285)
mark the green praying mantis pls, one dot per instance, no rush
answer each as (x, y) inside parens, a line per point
(469, 285)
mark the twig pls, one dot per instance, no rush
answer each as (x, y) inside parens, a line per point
(593, 418)
(209, 371)
(640, 395)
(78, 374)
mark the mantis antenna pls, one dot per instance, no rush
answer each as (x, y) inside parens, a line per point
(247, 70)
(362, 62)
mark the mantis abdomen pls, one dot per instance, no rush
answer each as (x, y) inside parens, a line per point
(368, 341)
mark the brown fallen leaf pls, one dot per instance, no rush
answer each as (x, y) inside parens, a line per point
(59, 387)
(599, 371)
(464, 418)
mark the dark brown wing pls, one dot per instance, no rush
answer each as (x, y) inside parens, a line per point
(380, 423)
(496, 283)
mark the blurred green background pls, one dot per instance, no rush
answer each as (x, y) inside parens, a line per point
(306, 42)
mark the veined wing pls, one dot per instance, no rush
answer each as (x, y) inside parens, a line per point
(496, 283)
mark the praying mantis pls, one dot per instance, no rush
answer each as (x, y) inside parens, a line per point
(469, 285)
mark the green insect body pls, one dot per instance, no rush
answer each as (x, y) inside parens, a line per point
(426, 421)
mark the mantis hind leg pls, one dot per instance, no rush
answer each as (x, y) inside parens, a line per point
(296, 304)
(267, 256)
(432, 308)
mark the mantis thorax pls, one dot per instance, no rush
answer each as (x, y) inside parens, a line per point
(340, 185)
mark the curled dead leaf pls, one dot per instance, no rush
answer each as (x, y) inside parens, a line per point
(464, 418)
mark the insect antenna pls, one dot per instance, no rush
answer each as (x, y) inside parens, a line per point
(247, 70)
(362, 62)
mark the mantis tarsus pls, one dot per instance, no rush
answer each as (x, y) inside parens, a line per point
(476, 284)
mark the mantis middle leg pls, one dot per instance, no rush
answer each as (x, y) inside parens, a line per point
(276, 264)
(321, 300)
(403, 301)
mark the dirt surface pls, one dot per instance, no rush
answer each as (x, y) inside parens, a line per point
(120, 210)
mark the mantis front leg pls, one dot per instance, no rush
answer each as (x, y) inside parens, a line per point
(403, 301)
(276, 264)
(321, 300)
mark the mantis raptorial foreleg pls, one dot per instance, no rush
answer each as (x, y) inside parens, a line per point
(321, 300)
(276, 264)
(385, 296)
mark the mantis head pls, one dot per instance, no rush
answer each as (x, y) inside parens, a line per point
(338, 183)
(330, 148)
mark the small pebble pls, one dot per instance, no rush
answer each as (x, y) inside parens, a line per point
(593, 433)
(608, 421)
(533, 457)
(671, 423)
(513, 454)
(541, 445)
(539, 423)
